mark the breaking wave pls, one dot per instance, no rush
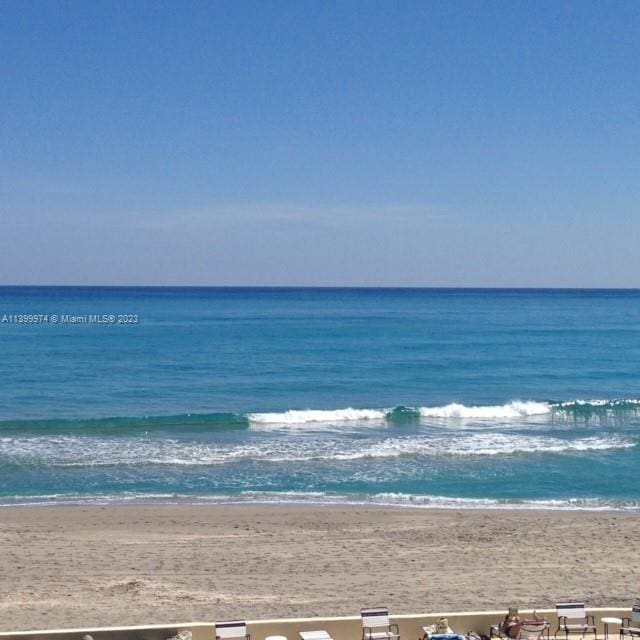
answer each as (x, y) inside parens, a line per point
(303, 417)
(510, 410)
(296, 418)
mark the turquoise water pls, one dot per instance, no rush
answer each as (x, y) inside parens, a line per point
(405, 396)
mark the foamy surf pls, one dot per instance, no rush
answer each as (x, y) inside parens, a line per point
(510, 411)
(209, 423)
(321, 498)
(515, 409)
(493, 444)
(295, 417)
(69, 451)
(450, 502)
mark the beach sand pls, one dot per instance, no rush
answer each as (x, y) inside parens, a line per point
(92, 566)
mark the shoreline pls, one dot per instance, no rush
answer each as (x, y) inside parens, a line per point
(330, 506)
(297, 499)
(80, 565)
(498, 510)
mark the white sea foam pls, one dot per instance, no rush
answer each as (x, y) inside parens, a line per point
(613, 404)
(422, 501)
(73, 451)
(293, 495)
(427, 501)
(294, 417)
(515, 409)
(449, 502)
(482, 444)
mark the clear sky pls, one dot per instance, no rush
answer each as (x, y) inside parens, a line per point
(320, 143)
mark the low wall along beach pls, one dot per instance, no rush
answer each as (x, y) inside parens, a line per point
(340, 628)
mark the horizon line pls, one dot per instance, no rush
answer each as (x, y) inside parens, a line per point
(317, 287)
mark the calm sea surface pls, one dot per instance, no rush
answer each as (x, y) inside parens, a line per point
(405, 396)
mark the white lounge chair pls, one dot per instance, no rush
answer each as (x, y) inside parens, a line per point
(631, 626)
(376, 625)
(232, 630)
(573, 618)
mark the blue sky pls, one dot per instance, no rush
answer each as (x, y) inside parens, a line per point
(316, 143)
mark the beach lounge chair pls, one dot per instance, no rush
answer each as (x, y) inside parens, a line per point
(529, 630)
(573, 618)
(376, 625)
(631, 626)
(232, 629)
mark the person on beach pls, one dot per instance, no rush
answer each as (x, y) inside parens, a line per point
(442, 626)
(512, 623)
(441, 630)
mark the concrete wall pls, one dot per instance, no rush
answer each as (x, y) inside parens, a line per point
(345, 628)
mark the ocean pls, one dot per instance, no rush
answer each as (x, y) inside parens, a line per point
(425, 397)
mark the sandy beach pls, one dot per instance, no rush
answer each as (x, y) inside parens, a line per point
(88, 566)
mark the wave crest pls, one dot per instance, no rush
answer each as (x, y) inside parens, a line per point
(515, 409)
(293, 416)
(218, 422)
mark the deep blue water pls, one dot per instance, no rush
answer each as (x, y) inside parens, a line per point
(433, 397)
